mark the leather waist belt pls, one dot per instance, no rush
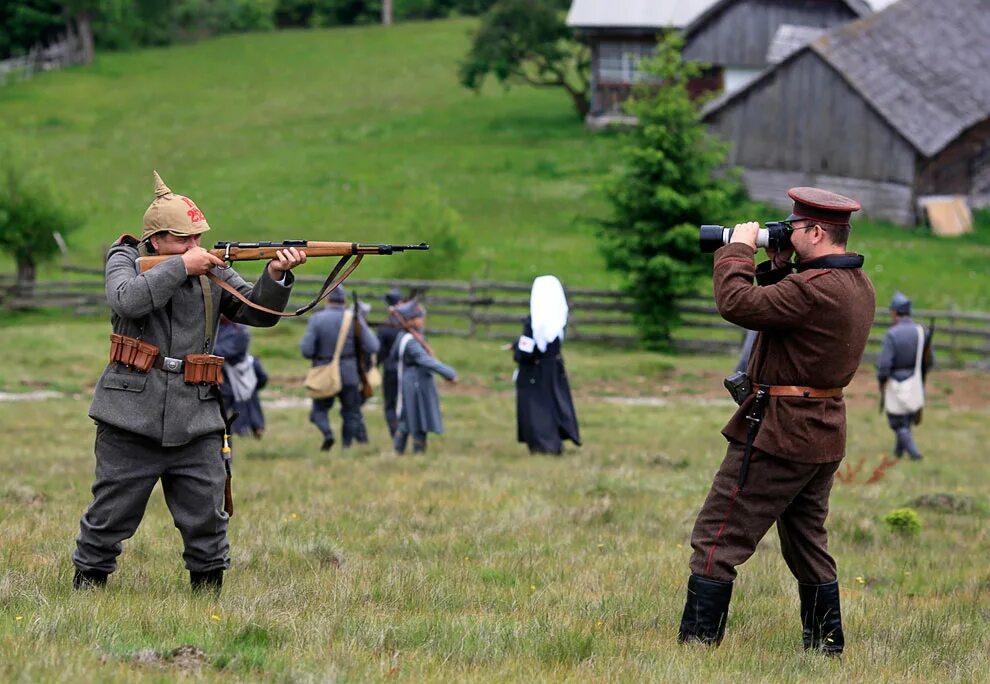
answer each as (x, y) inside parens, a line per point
(798, 391)
(168, 364)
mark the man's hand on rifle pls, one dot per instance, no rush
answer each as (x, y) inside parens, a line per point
(199, 262)
(285, 260)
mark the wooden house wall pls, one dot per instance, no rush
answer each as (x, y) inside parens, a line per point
(740, 34)
(804, 125)
(962, 168)
(608, 96)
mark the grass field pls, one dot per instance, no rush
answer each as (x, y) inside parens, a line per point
(478, 562)
(364, 134)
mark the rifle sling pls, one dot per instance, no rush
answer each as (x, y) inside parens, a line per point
(331, 283)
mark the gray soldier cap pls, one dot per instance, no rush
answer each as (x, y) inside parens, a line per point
(900, 304)
(338, 296)
(393, 296)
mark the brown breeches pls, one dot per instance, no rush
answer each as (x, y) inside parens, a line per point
(732, 522)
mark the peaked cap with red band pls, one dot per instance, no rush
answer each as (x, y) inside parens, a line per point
(815, 204)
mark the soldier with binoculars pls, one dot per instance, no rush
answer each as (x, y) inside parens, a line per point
(813, 316)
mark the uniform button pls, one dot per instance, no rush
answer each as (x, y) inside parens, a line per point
(125, 385)
(532, 381)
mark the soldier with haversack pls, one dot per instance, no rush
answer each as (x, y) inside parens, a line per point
(157, 406)
(788, 435)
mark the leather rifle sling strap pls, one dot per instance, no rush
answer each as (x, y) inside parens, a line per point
(204, 283)
(331, 283)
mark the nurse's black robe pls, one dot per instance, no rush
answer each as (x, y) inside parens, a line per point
(544, 410)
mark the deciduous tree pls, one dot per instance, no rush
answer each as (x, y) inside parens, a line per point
(527, 41)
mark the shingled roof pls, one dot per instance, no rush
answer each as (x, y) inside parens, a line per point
(923, 65)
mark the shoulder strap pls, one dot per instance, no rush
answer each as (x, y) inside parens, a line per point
(345, 328)
(204, 283)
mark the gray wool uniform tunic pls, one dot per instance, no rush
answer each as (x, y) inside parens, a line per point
(153, 426)
(165, 307)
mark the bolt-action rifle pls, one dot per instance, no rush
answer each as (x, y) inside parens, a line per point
(254, 251)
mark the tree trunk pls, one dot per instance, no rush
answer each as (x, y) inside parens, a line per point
(581, 103)
(386, 12)
(26, 273)
(84, 31)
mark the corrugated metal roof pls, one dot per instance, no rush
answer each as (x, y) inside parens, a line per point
(922, 64)
(635, 13)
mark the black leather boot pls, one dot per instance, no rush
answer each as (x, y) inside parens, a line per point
(211, 580)
(706, 611)
(89, 579)
(821, 617)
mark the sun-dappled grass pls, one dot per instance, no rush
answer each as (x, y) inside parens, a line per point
(477, 562)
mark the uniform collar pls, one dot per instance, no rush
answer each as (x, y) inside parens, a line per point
(832, 261)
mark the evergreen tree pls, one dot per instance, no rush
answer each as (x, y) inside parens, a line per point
(669, 184)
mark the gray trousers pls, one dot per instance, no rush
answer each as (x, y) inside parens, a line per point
(733, 521)
(352, 422)
(903, 439)
(128, 466)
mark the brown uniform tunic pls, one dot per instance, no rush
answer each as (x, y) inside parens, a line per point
(813, 326)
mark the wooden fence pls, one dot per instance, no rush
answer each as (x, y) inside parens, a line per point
(494, 310)
(67, 51)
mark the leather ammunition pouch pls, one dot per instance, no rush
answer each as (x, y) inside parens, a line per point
(132, 352)
(203, 369)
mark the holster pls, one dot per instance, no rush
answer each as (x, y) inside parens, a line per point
(203, 369)
(132, 352)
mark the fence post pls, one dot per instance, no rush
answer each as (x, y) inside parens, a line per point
(953, 336)
(472, 288)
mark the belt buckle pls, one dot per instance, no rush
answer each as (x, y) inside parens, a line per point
(172, 365)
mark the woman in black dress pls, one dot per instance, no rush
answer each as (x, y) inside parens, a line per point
(544, 410)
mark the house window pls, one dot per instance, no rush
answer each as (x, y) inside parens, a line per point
(619, 61)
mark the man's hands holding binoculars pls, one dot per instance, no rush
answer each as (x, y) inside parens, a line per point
(746, 233)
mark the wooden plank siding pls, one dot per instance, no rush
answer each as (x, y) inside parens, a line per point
(804, 125)
(740, 32)
(962, 168)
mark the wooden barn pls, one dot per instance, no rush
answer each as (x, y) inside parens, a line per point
(887, 109)
(732, 36)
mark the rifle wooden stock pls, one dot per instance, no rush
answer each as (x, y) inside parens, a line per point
(255, 251)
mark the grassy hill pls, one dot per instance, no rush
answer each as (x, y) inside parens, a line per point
(355, 134)
(364, 134)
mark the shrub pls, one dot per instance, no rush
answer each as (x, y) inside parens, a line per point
(430, 219)
(903, 521)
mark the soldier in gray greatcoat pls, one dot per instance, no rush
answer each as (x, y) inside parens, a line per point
(318, 344)
(897, 361)
(151, 423)
(418, 404)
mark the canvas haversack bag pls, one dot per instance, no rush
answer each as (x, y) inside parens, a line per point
(906, 397)
(324, 381)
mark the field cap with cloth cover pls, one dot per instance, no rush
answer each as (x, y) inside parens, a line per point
(337, 296)
(172, 213)
(900, 304)
(815, 204)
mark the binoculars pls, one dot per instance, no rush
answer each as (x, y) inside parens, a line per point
(776, 234)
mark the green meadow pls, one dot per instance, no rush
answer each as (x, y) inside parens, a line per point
(364, 135)
(478, 562)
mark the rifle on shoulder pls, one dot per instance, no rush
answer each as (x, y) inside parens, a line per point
(255, 251)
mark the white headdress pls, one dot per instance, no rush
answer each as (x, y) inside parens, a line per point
(547, 310)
